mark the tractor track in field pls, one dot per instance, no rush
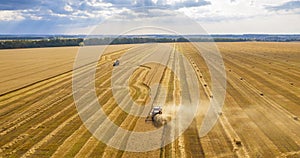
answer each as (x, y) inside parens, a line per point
(269, 108)
(271, 112)
(34, 148)
(126, 120)
(63, 79)
(40, 111)
(47, 105)
(225, 132)
(269, 80)
(129, 118)
(96, 142)
(246, 75)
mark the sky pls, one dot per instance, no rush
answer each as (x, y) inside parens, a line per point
(214, 16)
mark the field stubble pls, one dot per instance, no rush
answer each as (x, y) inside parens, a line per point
(259, 118)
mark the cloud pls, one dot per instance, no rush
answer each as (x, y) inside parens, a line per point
(68, 8)
(213, 16)
(175, 4)
(118, 3)
(83, 9)
(192, 3)
(222, 11)
(145, 9)
(48, 15)
(10, 15)
(287, 6)
(144, 3)
(140, 14)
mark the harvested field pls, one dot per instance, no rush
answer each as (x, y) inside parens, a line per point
(260, 117)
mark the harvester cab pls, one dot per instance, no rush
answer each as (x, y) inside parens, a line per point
(116, 63)
(154, 111)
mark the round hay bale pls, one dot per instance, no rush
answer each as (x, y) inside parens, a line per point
(238, 142)
(261, 94)
(295, 118)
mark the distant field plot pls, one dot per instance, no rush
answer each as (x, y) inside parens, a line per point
(260, 117)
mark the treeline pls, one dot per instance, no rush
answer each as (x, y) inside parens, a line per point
(123, 40)
(40, 43)
(105, 41)
(218, 39)
(10, 44)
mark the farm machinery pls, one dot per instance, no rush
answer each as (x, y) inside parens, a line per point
(156, 110)
(116, 63)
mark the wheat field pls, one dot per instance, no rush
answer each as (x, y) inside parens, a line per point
(260, 117)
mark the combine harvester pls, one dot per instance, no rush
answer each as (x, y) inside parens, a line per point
(116, 63)
(156, 110)
(157, 117)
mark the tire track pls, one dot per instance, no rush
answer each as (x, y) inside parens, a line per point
(91, 137)
(208, 94)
